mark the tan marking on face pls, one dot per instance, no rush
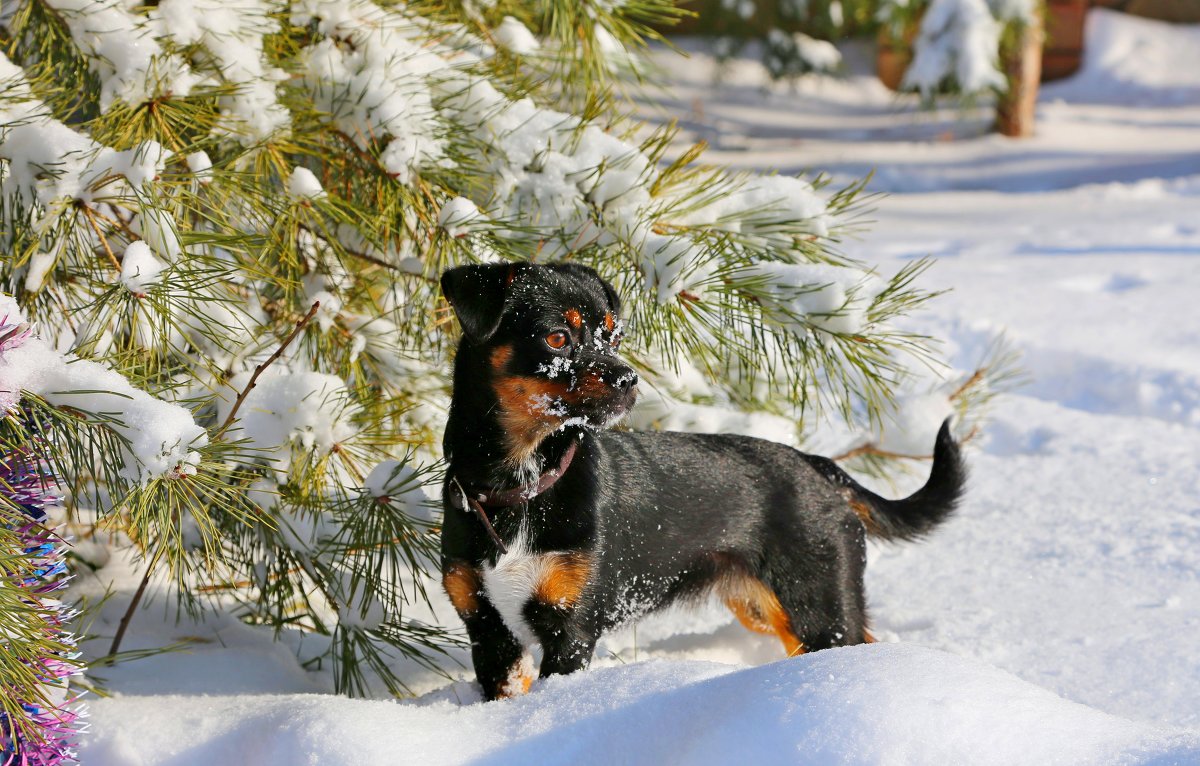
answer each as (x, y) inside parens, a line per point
(609, 322)
(500, 356)
(463, 585)
(574, 318)
(567, 574)
(591, 386)
(523, 412)
(757, 607)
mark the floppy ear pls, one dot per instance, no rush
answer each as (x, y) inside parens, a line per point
(477, 295)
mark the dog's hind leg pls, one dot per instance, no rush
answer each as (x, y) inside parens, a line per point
(756, 606)
(758, 609)
(820, 588)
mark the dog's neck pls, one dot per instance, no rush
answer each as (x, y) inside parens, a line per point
(477, 445)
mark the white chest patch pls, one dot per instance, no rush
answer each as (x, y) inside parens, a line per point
(512, 582)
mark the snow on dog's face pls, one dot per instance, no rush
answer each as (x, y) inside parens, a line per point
(550, 335)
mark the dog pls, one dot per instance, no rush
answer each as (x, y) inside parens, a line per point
(557, 530)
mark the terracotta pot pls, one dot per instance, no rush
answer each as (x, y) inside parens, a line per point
(1063, 52)
(892, 55)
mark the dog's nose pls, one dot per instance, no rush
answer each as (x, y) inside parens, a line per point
(622, 379)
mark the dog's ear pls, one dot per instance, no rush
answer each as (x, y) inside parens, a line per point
(477, 295)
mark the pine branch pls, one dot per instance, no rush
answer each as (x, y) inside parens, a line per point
(260, 369)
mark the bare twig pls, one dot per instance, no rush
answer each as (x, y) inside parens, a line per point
(133, 605)
(300, 325)
(968, 383)
(87, 213)
(871, 449)
(371, 258)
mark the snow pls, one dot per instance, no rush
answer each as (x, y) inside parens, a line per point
(289, 413)
(515, 36)
(139, 267)
(1051, 621)
(120, 48)
(302, 184)
(401, 487)
(201, 166)
(457, 215)
(232, 34)
(384, 72)
(862, 705)
(957, 41)
(160, 436)
(803, 295)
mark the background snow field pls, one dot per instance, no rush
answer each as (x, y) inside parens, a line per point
(1055, 620)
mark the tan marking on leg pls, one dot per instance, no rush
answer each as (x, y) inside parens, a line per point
(463, 585)
(867, 637)
(567, 574)
(520, 678)
(757, 607)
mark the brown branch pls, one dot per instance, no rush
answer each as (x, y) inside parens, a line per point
(975, 378)
(87, 212)
(368, 257)
(133, 605)
(871, 449)
(119, 222)
(300, 325)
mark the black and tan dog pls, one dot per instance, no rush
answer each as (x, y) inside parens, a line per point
(556, 531)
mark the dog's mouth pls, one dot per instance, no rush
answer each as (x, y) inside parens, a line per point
(612, 412)
(592, 412)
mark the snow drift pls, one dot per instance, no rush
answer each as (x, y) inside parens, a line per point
(875, 704)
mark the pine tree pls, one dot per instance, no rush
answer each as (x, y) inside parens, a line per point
(234, 216)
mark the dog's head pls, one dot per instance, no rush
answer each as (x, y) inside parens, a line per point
(549, 335)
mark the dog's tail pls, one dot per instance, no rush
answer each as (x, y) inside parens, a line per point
(916, 515)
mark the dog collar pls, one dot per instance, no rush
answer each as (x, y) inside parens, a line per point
(509, 497)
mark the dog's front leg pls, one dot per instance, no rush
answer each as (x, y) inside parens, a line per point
(502, 666)
(568, 642)
(566, 655)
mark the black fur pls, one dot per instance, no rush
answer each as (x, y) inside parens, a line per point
(638, 520)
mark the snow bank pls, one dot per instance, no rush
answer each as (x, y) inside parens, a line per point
(882, 703)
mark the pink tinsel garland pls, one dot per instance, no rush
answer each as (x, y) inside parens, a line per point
(26, 485)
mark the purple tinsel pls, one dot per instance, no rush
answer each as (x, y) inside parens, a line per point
(26, 484)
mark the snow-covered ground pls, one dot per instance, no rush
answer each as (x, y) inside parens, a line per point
(1055, 620)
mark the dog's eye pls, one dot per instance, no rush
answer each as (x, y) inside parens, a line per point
(557, 340)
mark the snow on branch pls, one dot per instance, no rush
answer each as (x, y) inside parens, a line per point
(159, 438)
